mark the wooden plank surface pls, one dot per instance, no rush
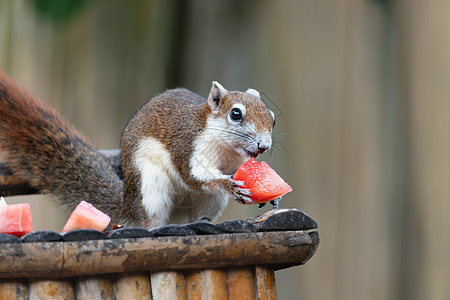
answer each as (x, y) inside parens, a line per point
(424, 30)
(135, 285)
(194, 285)
(50, 289)
(206, 284)
(265, 285)
(215, 281)
(240, 284)
(168, 285)
(11, 289)
(30, 259)
(95, 288)
(67, 259)
(191, 252)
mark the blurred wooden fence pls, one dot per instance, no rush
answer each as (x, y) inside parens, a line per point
(363, 100)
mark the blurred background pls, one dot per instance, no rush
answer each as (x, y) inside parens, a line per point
(361, 89)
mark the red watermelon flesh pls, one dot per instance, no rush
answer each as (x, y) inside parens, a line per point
(15, 219)
(262, 180)
(86, 216)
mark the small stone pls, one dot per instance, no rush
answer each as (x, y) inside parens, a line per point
(172, 230)
(42, 236)
(204, 228)
(83, 235)
(8, 238)
(283, 220)
(129, 232)
(236, 226)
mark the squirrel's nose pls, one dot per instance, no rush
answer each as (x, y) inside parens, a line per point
(264, 142)
(262, 148)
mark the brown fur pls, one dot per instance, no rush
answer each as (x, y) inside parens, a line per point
(258, 114)
(176, 118)
(44, 149)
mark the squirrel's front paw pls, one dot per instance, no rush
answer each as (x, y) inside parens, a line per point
(240, 194)
(233, 187)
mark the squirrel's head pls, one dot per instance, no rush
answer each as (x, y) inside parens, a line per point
(244, 120)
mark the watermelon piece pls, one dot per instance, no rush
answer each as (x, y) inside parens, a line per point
(16, 219)
(86, 216)
(265, 184)
(3, 202)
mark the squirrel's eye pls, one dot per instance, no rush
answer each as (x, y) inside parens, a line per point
(273, 123)
(236, 114)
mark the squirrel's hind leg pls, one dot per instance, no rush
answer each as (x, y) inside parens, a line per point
(209, 206)
(157, 193)
(156, 185)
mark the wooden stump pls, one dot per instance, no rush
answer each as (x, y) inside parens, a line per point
(235, 259)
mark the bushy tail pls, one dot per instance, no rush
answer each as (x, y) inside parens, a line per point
(42, 148)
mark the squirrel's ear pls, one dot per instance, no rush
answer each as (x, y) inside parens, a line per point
(254, 93)
(217, 93)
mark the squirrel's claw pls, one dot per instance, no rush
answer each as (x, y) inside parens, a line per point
(244, 195)
(274, 202)
(237, 183)
(243, 199)
(245, 192)
(241, 194)
(237, 190)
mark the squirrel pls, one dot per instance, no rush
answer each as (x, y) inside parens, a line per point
(178, 154)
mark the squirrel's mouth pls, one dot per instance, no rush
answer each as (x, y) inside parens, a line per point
(253, 154)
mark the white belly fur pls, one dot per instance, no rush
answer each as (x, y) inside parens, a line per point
(165, 196)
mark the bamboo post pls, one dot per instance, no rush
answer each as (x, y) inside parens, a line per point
(240, 284)
(15, 289)
(95, 287)
(169, 285)
(265, 285)
(134, 285)
(193, 284)
(41, 259)
(206, 284)
(51, 289)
